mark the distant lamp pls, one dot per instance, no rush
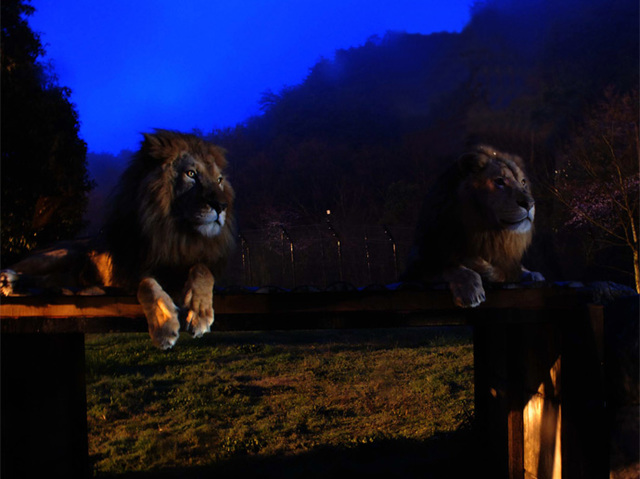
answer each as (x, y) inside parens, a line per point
(328, 212)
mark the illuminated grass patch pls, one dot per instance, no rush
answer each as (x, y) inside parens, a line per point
(232, 395)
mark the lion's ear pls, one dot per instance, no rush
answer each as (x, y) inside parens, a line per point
(473, 161)
(154, 140)
(159, 145)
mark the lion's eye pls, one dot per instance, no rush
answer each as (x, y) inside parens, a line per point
(220, 180)
(500, 182)
(524, 182)
(191, 173)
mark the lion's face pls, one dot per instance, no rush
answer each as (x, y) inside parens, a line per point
(200, 200)
(185, 185)
(496, 191)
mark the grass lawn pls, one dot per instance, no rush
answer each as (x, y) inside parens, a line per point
(278, 404)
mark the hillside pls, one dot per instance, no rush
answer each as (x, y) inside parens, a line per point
(380, 120)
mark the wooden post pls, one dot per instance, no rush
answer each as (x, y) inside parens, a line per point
(516, 371)
(585, 439)
(541, 386)
(539, 393)
(44, 421)
(490, 391)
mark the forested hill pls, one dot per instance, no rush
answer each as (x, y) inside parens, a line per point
(369, 129)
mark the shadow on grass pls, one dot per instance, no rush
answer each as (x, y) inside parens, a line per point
(451, 455)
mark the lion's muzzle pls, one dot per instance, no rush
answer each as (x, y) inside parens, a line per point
(522, 222)
(209, 220)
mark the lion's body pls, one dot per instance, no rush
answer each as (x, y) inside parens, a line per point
(168, 232)
(141, 231)
(476, 223)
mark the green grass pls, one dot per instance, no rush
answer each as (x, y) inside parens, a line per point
(230, 396)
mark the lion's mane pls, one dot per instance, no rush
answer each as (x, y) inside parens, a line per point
(142, 235)
(451, 229)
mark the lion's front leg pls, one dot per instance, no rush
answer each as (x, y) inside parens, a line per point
(486, 270)
(161, 313)
(466, 286)
(198, 299)
(8, 280)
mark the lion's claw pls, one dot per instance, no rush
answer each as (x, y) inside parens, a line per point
(468, 298)
(199, 323)
(164, 340)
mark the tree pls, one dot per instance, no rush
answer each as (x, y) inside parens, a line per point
(599, 178)
(44, 174)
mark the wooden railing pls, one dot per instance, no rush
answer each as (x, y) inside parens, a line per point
(539, 389)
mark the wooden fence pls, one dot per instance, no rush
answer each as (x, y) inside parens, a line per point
(539, 380)
(319, 254)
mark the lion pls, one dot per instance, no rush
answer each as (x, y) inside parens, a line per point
(476, 224)
(167, 236)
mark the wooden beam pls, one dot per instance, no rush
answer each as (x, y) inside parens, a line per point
(289, 310)
(291, 302)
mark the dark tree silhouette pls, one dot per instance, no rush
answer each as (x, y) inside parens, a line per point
(44, 174)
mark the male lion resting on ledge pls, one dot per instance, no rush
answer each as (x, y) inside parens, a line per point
(476, 224)
(170, 223)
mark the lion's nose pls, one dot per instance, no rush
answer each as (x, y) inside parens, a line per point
(213, 201)
(219, 207)
(526, 203)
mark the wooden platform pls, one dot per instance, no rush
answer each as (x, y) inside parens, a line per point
(539, 390)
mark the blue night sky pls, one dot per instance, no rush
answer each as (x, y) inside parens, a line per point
(134, 65)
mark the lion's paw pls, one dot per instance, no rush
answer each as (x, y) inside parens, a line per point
(164, 327)
(198, 300)
(8, 279)
(200, 315)
(467, 296)
(466, 287)
(531, 276)
(161, 314)
(199, 323)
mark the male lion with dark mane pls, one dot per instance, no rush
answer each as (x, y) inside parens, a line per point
(476, 224)
(168, 232)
